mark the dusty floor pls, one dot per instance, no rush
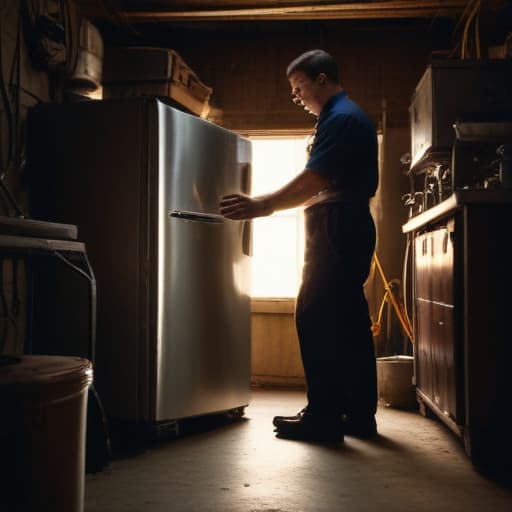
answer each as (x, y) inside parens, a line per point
(414, 465)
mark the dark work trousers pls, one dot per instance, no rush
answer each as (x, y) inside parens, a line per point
(332, 317)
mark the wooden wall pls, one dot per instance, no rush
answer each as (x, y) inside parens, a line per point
(245, 64)
(275, 349)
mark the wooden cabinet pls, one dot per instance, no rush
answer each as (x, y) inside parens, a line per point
(462, 287)
(437, 348)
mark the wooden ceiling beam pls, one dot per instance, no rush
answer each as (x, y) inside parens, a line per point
(366, 10)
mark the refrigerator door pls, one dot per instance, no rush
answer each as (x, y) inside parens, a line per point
(204, 319)
(201, 161)
(203, 312)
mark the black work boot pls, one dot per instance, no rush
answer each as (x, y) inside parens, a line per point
(280, 419)
(362, 427)
(309, 427)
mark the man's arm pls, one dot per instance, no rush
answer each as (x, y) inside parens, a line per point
(294, 193)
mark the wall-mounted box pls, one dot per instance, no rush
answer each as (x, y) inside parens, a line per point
(452, 90)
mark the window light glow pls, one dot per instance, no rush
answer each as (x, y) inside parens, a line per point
(278, 241)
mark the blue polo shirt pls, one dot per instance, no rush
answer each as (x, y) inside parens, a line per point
(345, 148)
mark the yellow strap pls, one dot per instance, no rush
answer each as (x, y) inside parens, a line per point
(399, 309)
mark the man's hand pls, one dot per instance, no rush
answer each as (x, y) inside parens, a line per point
(240, 206)
(293, 194)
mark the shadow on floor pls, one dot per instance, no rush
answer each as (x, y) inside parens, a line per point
(128, 438)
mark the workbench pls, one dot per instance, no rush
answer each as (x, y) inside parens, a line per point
(462, 287)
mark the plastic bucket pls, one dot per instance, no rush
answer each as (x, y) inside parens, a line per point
(43, 402)
(394, 382)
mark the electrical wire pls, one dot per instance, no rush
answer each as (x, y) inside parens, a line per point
(90, 277)
(68, 39)
(15, 93)
(477, 34)
(12, 106)
(4, 308)
(74, 35)
(468, 47)
(31, 94)
(405, 266)
(76, 268)
(5, 163)
(9, 315)
(473, 7)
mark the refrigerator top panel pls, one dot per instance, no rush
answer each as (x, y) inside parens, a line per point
(200, 161)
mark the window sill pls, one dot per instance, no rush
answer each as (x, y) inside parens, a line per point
(284, 306)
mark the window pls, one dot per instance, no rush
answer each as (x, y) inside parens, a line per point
(278, 241)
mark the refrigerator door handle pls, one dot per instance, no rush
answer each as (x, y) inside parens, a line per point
(201, 217)
(247, 237)
(246, 178)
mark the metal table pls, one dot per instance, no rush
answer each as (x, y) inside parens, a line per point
(27, 238)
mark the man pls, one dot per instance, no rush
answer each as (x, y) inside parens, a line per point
(332, 318)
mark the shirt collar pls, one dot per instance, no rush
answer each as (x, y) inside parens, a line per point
(331, 101)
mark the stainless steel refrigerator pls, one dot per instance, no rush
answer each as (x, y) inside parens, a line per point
(142, 181)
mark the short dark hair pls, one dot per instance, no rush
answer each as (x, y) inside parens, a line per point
(314, 62)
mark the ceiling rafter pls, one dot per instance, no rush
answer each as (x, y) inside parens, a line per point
(336, 11)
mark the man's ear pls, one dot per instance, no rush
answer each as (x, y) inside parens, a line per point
(322, 78)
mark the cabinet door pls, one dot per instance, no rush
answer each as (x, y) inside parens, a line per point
(435, 333)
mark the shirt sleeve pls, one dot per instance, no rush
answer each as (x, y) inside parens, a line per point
(331, 150)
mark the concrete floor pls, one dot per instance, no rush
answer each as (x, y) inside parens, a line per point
(414, 465)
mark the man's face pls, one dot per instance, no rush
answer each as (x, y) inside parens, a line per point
(305, 92)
